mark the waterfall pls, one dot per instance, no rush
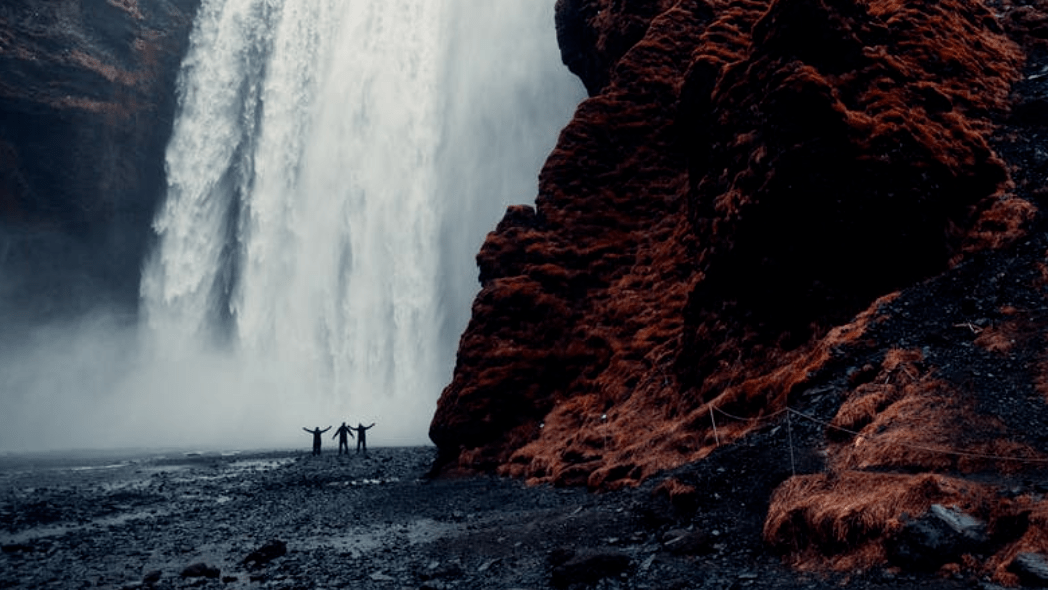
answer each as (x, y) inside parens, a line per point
(333, 169)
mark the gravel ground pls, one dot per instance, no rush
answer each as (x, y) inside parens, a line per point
(373, 521)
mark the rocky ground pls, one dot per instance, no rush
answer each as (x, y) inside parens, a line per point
(285, 519)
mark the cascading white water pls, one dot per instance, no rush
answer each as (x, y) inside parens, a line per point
(333, 169)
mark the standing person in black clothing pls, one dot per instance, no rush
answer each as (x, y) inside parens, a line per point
(343, 442)
(362, 436)
(316, 437)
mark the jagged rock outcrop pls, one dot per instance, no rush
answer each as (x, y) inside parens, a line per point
(776, 208)
(752, 175)
(87, 100)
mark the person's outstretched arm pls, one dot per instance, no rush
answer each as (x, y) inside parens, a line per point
(307, 430)
(326, 429)
(366, 427)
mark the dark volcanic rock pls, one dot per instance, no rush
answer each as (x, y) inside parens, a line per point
(586, 566)
(271, 550)
(942, 535)
(201, 570)
(594, 35)
(686, 542)
(87, 103)
(1032, 568)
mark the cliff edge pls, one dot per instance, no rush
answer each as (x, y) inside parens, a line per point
(87, 102)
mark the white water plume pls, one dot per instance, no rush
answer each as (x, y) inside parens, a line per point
(334, 167)
(312, 172)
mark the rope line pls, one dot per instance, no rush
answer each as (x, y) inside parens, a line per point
(924, 448)
(789, 411)
(716, 437)
(767, 418)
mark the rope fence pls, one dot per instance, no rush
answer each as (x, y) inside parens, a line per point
(789, 427)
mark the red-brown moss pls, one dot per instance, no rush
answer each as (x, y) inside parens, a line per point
(715, 227)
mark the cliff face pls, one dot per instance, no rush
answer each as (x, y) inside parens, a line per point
(776, 210)
(87, 100)
(748, 177)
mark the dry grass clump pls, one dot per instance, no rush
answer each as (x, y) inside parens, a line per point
(898, 371)
(890, 448)
(906, 419)
(934, 433)
(681, 496)
(996, 339)
(1019, 329)
(1026, 515)
(840, 520)
(999, 225)
(607, 442)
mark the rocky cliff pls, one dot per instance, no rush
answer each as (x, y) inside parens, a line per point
(87, 100)
(806, 227)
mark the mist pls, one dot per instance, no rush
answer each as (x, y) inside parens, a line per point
(318, 265)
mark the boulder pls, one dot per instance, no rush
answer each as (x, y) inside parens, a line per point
(201, 570)
(442, 571)
(586, 566)
(687, 542)
(273, 549)
(942, 535)
(1032, 569)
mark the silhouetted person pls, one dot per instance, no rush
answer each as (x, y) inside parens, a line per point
(362, 442)
(316, 437)
(343, 442)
